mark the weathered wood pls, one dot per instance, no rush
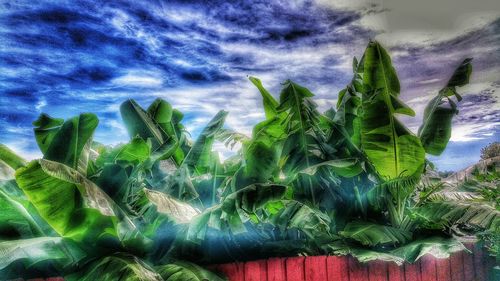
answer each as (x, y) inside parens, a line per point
(457, 267)
(428, 268)
(462, 266)
(412, 271)
(395, 272)
(256, 271)
(337, 268)
(357, 271)
(295, 269)
(377, 271)
(443, 270)
(315, 268)
(276, 270)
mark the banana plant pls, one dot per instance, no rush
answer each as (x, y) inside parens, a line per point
(346, 181)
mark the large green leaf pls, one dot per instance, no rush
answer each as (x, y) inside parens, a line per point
(441, 215)
(372, 234)
(45, 130)
(58, 251)
(91, 214)
(135, 152)
(391, 148)
(178, 211)
(118, 267)
(168, 119)
(234, 210)
(73, 205)
(199, 159)
(438, 247)
(186, 271)
(348, 112)
(269, 102)
(140, 123)
(302, 148)
(290, 214)
(15, 220)
(11, 158)
(71, 144)
(435, 131)
(344, 167)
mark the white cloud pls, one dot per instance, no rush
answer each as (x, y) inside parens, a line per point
(139, 78)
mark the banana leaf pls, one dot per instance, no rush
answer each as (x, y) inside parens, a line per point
(15, 220)
(435, 131)
(45, 129)
(186, 271)
(71, 143)
(391, 147)
(140, 123)
(38, 254)
(373, 234)
(117, 267)
(199, 157)
(75, 207)
(303, 145)
(168, 119)
(11, 158)
(443, 215)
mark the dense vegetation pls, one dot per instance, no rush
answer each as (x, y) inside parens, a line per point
(348, 181)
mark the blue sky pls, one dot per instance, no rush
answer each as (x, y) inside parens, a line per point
(67, 57)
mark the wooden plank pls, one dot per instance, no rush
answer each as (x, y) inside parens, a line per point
(234, 271)
(54, 279)
(315, 268)
(468, 260)
(412, 271)
(428, 268)
(295, 269)
(357, 270)
(457, 266)
(443, 270)
(396, 272)
(377, 271)
(256, 270)
(337, 268)
(276, 270)
(479, 263)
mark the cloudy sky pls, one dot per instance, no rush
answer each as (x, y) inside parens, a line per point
(67, 57)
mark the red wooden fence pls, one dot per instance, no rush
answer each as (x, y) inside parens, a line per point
(461, 266)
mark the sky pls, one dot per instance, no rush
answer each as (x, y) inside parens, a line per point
(68, 57)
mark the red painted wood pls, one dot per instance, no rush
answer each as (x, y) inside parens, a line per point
(276, 270)
(55, 279)
(457, 266)
(377, 271)
(395, 272)
(234, 271)
(295, 269)
(256, 271)
(357, 271)
(428, 268)
(479, 263)
(443, 270)
(315, 268)
(337, 268)
(412, 271)
(468, 259)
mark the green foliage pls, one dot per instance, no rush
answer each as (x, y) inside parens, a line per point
(342, 182)
(10, 158)
(490, 151)
(435, 131)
